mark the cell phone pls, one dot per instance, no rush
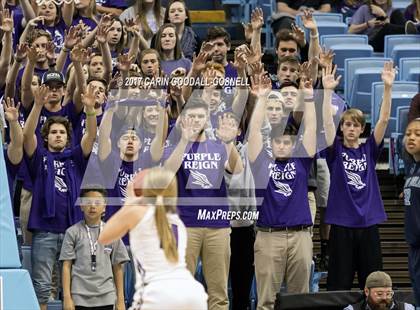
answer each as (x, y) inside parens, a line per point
(381, 18)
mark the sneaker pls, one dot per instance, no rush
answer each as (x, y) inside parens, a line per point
(410, 28)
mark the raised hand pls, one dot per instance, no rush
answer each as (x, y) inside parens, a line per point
(50, 51)
(106, 20)
(252, 55)
(388, 73)
(308, 20)
(11, 111)
(102, 33)
(21, 49)
(187, 129)
(328, 77)
(207, 47)
(260, 85)
(299, 35)
(257, 68)
(72, 37)
(88, 97)
(305, 70)
(79, 54)
(32, 54)
(305, 85)
(227, 129)
(41, 95)
(240, 59)
(82, 29)
(257, 19)
(124, 62)
(6, 21)
(34, 21)
(326, 57)
(133, 26)
(199, 62)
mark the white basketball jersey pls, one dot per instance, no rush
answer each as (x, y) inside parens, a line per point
(149, 258)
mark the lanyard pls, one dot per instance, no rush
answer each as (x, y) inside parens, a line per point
(93, 246)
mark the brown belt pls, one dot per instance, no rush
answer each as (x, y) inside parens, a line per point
(291, 228)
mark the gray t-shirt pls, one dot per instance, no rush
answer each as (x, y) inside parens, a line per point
(91, 288)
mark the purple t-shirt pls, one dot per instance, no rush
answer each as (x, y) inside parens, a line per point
(201, 183)
(65, 215)
(12, 171)
(79, 127)
(17, 12)
(117, 173)
(57, 33)
(119, 4)
(231, 74)
(89, 22)
(284, 187)
(354, 199)
(168, 66)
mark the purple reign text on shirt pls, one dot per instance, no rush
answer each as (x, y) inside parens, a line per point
(354, 198)
(201, 179)
(283, 185)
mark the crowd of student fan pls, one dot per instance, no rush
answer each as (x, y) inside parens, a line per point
(237, 146)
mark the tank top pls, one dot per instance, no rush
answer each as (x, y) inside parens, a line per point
(148, 255)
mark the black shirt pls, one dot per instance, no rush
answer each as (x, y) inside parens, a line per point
(296, 4)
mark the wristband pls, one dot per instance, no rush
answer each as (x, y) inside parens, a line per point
(66, 50)
(90, 113)
(308, 99)
(18, 61)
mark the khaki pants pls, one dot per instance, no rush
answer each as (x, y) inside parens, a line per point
(281, 256)
(312, 205)
(25, 209)
(213, 246)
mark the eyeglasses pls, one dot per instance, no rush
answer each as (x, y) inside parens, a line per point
(381, 294)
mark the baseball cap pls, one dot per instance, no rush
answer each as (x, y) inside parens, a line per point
(53, 76)
(378, 279)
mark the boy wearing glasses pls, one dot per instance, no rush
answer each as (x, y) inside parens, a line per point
(379, 294)
(92, 273)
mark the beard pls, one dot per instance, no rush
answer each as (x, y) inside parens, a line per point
(382, 305)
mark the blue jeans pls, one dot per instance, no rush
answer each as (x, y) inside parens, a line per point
(46, 249)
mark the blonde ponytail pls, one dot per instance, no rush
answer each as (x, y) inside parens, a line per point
(166, 235)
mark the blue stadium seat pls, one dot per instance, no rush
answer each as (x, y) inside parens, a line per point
(329, 40)
(409, 69)
(404, 51)
(359, 74)
(322, 17)
(396, 163)
(328, 23)
(347, 46)
(402, 93)
(402, 119)
(392, 40)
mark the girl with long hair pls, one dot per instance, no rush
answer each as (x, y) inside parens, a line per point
(179, 15)
(169, 49)
(158, 240)
(150, 14)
